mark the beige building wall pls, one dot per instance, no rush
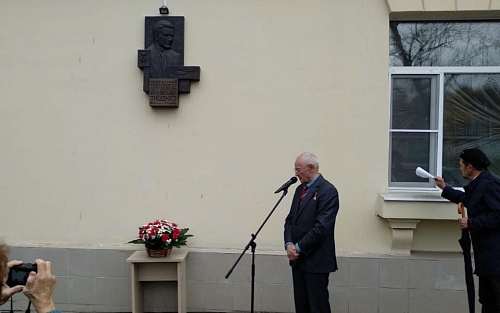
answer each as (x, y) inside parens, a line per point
(85, 160)
(441, 5)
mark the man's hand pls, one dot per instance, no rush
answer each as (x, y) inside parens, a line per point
(440, 182)
(462, 223)
(291, 252)
(7, 291)
(39, 287)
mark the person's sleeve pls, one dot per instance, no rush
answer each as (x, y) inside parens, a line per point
(453, 195)
(328, 208)
(491, 219)
(288, 229)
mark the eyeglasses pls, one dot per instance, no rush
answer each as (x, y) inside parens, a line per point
(297, 170)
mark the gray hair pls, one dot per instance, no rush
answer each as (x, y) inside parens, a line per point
(309, 158)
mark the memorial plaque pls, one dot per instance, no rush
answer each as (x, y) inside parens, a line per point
(163, 92)
(162, 60)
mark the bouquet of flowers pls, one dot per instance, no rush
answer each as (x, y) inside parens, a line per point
(162, 235)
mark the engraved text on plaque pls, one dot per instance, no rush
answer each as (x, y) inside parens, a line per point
(164, 92)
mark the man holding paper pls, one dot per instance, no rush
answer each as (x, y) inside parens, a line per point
(482, 200)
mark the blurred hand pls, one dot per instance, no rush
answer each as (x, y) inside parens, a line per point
(462, 223)
(440, 182)
(7, 291)
(40, 286)
(291, 252)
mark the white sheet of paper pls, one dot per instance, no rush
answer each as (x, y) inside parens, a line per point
(423, 173)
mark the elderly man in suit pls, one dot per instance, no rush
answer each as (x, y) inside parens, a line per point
(482, 200)
(309, 236)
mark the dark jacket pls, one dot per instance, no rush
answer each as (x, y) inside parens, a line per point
(161, 61)
(312, 226)
(482, 200)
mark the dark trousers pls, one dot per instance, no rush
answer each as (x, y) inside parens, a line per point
(489, 293)
(310, 292)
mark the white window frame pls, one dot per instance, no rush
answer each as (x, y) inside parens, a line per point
(439, 71)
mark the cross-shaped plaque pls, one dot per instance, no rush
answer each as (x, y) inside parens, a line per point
(165, 75)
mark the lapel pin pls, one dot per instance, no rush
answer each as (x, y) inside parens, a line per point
(315, 194)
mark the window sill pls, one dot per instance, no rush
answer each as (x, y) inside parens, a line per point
(403, 210)
(422, 205)
(413, 196)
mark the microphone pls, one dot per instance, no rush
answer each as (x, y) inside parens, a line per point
(285, 186)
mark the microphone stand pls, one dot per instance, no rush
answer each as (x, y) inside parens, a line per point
(253, 245)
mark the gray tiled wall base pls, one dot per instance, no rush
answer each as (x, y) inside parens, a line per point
(98, 280)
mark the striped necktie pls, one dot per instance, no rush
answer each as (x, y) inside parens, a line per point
(304, 192)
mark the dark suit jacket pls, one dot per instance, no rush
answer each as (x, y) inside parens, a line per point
(312, 225)
(482, 200)
(161, 61)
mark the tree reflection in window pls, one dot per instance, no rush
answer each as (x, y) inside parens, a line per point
(444, 43)
(471, 120)
(471, 95)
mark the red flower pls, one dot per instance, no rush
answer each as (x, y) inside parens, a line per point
(175, 235)
(174, 224)
(164, 237)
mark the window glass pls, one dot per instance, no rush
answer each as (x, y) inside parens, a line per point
(413, 128)
(408, 151)
(472, 43)
(471, 120)
(411, 103)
